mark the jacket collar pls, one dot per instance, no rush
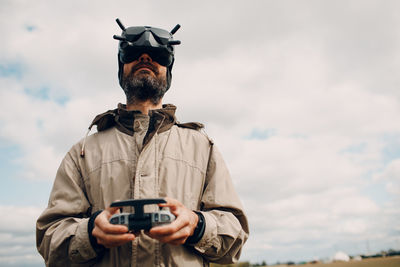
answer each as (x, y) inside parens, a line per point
(160, 119)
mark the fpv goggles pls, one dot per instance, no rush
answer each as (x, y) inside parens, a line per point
(158, 43)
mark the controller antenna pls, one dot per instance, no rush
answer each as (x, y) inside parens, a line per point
(120, 24)
(175, 29)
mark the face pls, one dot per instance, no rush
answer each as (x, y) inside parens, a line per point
(144, 65)
(144, 79)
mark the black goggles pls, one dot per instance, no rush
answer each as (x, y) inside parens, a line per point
(132, 34)
(145, 39)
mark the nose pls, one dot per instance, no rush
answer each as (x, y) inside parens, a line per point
(145, 58)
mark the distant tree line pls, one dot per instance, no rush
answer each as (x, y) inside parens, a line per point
(383, 253)
(388, 253)
(239, 264)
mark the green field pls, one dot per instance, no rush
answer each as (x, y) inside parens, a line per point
(374, 262)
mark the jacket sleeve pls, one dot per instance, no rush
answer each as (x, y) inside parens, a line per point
(226, 228)
(61, 230)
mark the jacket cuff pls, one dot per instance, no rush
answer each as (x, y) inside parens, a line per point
(198, 231)
(97, 247)
(210, 236)
(80, 249)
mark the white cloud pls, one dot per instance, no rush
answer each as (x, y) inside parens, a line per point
(390, 177)
(17, 236)
(24, 259)
(43, 128)
(19, 219)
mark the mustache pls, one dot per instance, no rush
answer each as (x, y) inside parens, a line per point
(146, 65)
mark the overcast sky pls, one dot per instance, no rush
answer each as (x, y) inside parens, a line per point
(301, 97)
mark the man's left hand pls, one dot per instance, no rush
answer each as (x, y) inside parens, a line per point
(179, 230)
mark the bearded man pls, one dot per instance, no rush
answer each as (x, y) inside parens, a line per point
(141, 152)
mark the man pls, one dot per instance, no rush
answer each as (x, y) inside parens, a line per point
(139, 152)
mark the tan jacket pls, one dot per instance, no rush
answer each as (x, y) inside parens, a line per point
(157, 158)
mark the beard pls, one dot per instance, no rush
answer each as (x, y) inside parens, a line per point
(142, 87)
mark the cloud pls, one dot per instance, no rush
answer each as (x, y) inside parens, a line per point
(20, 219)
(17, 236)
(390, 176)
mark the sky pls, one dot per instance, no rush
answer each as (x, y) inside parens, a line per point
(301, 97)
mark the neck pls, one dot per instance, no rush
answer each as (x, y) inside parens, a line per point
(144, 106)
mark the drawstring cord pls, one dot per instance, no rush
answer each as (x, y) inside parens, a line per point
(84, 141)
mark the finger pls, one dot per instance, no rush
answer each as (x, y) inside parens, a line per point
(178, 241)
(178, 224)
(114, 228)
(115, 240)
(174, 238)
(111, 211)
(171, 203)
(103, 223)
(110, 240)
(100, 234)
(175, 226)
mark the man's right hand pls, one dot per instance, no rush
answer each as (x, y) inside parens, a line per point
(110, 235)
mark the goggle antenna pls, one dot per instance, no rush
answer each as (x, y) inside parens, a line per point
(175, 29)
(117, 37)
(174, 42)
(120, 24)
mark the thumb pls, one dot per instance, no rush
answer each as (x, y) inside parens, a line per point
(112, 210)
